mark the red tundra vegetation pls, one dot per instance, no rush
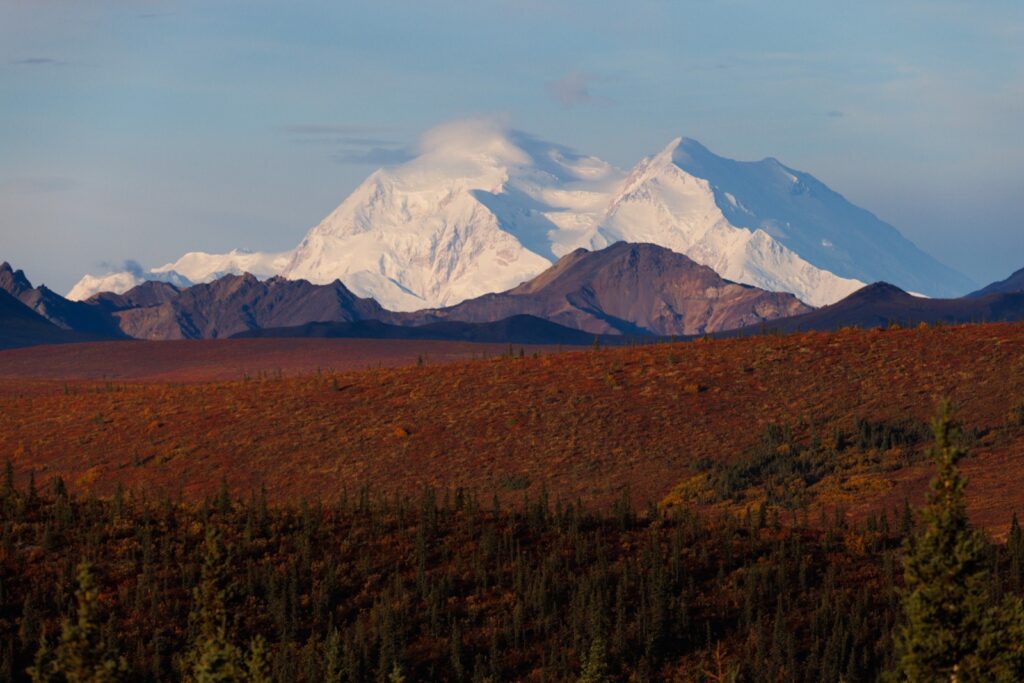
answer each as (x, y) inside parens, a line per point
(832, 420)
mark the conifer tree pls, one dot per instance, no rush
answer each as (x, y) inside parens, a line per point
(396, 675)
(212, 658)
(80, 656)
(595, 667)
(949, 632)
(257, 666)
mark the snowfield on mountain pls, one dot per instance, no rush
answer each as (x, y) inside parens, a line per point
(481, 208)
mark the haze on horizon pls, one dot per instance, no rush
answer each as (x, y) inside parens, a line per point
(143, 130)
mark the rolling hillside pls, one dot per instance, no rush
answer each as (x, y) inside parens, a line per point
(665, 422)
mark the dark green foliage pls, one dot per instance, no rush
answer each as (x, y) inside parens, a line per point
(883, 436)
(784, 466)
(442, 588)
(439, 589)
(952, 630)
(595, 667)
(82, 654)
(212, 656)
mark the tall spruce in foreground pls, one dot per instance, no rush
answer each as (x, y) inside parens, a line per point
(951, 631)
(81, 656)
(213, 658)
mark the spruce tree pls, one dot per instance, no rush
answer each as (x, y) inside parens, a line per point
(949, 632)
(257, 665)
(213, 658)
(595, 667)
(80, 656)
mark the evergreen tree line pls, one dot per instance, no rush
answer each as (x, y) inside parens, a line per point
(445, 587)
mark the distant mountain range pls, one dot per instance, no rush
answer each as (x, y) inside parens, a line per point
(230, 305)
(65, 314)
(882, 304)
(481, 209)
(622, 291)
(1014, 283)
(633, 289)
(21, 326)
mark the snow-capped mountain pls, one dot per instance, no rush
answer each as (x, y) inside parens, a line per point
(192, 268)
(660, 202)
(199, 266)
(470, 215)
(482, 208)
(121, 281)
(807, 217)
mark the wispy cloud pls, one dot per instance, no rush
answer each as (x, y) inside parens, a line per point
(573, 89)
(39, 61)
(352, 143)
(835, 114)
(130, 266)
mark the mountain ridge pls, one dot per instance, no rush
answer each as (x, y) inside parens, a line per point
(881, 305)
(627, 289)
(481, 208)
(1013, 283)
(67, 315)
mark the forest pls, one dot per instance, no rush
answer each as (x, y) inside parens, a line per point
(453, 585)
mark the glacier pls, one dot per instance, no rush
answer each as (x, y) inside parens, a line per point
(481, 208)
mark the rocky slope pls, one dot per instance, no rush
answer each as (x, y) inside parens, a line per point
(21, 326)
(233, 304)
(65, 314)
(628, 289)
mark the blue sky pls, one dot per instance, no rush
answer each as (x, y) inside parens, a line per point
(141, 130)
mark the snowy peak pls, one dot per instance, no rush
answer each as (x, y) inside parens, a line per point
(482, 208)
(198, 266)
(809, 218)
(477, 211)
(194, 267)
(664, 203)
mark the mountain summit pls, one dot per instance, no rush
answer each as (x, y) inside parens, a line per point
(627, 289)
(481, 208)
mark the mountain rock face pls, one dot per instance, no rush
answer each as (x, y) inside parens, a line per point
(21, 326)
(627, 289)
(149, 293)
(230, 305)
(482, 208)
(1014, 283)
(882, 304)
(65, 314)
